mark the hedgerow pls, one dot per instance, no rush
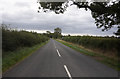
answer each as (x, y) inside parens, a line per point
(95, 42)
(13, 39)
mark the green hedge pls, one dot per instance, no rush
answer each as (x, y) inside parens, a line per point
(102, 43)
(13, 39)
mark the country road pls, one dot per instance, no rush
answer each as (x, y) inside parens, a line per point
(57, 60)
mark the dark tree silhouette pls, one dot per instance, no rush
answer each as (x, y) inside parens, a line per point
(57, 32)
(55, 6)
(48, 32)
(106, 15)
(118, 32)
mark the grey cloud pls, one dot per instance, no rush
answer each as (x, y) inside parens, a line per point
(72, 21)
(22, 4)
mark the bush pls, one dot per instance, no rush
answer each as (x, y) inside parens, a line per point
(13, 39)
(94, 42)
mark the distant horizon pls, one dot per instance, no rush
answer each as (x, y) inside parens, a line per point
(72, 34)
(23, 15)
(65, 34)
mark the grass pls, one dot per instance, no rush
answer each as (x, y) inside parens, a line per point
(12, 58)
(112, 62)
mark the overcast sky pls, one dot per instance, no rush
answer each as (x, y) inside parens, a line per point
(22, 14)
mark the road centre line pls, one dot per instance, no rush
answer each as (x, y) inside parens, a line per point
(69, 75)
(54, 45)
(58, 53)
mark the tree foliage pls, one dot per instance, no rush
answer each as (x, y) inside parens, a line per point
(106, 15)
(57, 30)
(56, 34)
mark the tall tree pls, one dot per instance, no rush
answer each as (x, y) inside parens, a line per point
(57, 30)
(48, 32)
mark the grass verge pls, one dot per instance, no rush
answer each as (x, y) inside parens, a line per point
(112, 62)
(12, 58)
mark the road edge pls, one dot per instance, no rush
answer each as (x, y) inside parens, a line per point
(22, 59)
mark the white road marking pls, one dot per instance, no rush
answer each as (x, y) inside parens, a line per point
(58, 53)
(54, 45)
(69, 75)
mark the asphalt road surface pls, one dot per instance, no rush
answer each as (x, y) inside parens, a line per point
(57, 60)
